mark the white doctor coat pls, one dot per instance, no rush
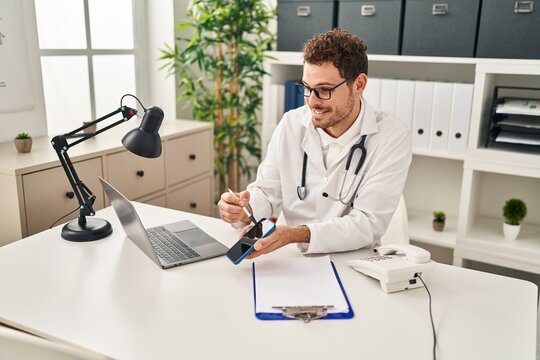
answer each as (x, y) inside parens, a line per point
(333, 225)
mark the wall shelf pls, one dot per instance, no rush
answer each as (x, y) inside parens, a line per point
(470, 188)
(421, 229)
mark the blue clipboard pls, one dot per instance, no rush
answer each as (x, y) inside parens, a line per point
(278, 316)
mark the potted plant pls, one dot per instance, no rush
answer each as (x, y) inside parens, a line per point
(89, 129)
(23, 142)
(439, 219)
(514, 211)
(218, 63)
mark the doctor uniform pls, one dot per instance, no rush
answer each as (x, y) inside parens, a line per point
(369, 199)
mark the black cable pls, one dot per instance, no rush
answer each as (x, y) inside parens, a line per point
(133, 96)
(54, 223)
(430, 316)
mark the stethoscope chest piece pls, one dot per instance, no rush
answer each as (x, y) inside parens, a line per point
(301, 191)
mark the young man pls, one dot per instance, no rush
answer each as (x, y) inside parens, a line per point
(326, 206)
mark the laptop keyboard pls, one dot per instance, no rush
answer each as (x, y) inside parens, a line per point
(169, 247)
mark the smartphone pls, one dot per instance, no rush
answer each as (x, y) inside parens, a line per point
(240, 250)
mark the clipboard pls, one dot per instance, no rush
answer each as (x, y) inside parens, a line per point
(305, 312)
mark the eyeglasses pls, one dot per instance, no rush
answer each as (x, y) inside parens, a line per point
(323, 93)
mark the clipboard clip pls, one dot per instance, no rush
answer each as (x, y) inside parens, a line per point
(304, 313)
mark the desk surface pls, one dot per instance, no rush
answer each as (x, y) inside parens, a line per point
(107, 296)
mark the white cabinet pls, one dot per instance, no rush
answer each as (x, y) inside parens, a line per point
(35, 191)
(470, 187)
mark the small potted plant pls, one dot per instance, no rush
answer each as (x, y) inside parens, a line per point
(23, 142)
(514, 211)
(89, 129)
(438, 220)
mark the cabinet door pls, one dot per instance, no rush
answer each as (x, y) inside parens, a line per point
(160, 200)
(188, 156)
(135, 176)
(194, 197)
(47, 194)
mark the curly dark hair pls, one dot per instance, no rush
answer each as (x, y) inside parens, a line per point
(345, 50)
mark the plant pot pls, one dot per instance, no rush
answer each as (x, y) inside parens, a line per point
(90, 129)
(23, 145)
(511, 232)
(438, 225)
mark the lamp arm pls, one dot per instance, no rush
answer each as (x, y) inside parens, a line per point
(127, 113)
(84, 195)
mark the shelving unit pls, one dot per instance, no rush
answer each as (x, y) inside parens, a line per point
(470, 188)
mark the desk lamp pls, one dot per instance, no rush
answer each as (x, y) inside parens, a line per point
(143, 141)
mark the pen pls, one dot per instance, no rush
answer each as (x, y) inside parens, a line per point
(250, 215)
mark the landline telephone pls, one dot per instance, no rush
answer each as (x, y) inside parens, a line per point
(396, 266)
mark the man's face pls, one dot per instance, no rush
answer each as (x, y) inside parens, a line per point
(336, 114)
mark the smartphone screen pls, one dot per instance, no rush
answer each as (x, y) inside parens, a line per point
(240, 250)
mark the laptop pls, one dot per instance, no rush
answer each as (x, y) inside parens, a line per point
(167, 245)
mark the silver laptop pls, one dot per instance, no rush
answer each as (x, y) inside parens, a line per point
(167, 245)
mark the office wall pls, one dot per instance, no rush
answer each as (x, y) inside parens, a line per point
(33, 121)
(160, 30)
(180, 10)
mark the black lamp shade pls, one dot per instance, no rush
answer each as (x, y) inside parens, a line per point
(144, 140)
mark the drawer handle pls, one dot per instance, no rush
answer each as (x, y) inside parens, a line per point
(192, 156)
(420, 131)
(140, 173)
(438, 133)
(523, 7)
(70, 194)
(303, 10)
(458, 135)
(193, 205)
(439, 9)
(367, 10)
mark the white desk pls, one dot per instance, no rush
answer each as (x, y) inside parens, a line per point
(109, 297)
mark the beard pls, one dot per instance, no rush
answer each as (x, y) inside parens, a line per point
(332, 116)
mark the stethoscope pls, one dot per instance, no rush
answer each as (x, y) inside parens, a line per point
(302, 191)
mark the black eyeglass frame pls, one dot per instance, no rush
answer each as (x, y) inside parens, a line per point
(302, 88)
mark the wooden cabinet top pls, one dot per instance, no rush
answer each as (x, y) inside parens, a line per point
(43, 155)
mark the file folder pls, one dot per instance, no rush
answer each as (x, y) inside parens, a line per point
(440, 116)
(372, 92)
(388, 95)
(460, 118)
(299, 288)
(423, 100)
(405, 101)
(293, 99)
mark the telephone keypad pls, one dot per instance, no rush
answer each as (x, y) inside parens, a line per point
(377, 258)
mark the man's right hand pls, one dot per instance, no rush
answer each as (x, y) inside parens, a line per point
(230, 207)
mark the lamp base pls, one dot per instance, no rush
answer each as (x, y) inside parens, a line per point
(94, 229)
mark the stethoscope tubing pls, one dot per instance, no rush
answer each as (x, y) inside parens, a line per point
(302, 191)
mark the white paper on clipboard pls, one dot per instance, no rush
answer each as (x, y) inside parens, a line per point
(297, 282)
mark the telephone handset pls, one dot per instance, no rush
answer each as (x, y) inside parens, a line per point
(396, 266)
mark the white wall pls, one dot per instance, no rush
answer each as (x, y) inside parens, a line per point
(32, 122)
(160, 30)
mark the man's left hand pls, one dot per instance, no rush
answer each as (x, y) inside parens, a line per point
(280, 237)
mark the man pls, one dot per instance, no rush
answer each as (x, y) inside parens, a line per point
(327, 208)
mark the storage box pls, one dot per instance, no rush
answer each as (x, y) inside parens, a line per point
(298, 21)
(440, 29)
(377, 22)
(509, 29)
